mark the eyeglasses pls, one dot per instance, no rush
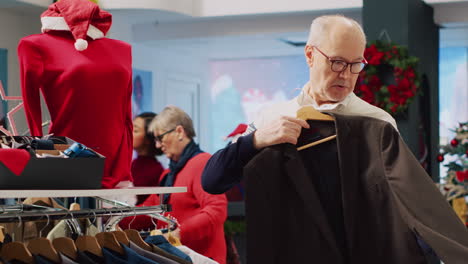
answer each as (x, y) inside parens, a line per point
(160, 137)
(340, 65)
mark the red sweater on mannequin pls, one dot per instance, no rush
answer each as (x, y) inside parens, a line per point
(88, 94)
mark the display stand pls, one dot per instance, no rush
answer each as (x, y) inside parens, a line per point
(18, 213)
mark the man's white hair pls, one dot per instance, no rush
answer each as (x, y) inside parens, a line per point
(319, 29)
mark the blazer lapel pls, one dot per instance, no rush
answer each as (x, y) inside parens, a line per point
(297, 174)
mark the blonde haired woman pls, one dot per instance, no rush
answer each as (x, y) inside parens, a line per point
(201, 215)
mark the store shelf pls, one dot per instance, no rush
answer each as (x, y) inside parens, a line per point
(90, 193)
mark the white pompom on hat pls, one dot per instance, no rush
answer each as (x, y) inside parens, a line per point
(82, 18)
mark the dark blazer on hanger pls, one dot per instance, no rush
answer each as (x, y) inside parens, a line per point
(388, 200)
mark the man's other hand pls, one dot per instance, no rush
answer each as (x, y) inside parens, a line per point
(283, 130)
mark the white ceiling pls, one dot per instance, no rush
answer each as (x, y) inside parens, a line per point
(260, 35)
(240, 35)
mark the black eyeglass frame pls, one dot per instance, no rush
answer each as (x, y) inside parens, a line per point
(159, 138)
(343, 65)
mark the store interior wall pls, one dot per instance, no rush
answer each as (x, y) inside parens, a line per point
(182, 44)
(13, 26)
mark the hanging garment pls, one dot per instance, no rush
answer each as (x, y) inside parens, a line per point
(388, 200)
(30, 230)
(150, 255)
(196, 258)
(162, 243)
(159, 251)
(88, 93)
(66, 260)
(130, 256)
(63, 230)
(41, 260)
(88, 258)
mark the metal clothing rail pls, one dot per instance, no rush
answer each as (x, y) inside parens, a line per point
(8, 215)
(156, 215)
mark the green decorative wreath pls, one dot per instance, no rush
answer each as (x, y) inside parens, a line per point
(390, 80)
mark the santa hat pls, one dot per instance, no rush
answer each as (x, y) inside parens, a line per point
(241, 128)
(82, 17)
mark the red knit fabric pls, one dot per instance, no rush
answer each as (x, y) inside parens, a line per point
(88, 94)
(14, 159)
(146, 172)
(201, 215)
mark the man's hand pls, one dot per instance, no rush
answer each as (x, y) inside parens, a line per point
(283, 130)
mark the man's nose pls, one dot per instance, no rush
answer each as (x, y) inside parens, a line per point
(158, 144)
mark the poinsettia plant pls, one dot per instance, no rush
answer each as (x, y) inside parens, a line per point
(390, 80)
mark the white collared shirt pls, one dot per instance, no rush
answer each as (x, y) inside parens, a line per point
(351, 105)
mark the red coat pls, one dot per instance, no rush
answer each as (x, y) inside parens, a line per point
(88, 94)
(201, 215)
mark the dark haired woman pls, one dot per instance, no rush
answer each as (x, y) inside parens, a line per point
(146, 169)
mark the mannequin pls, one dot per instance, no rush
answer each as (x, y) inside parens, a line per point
(85, 79)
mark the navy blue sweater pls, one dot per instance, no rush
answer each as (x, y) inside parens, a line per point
(224, 169)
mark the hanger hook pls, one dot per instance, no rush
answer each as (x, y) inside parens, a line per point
(20, 221)
(152, 221)
(43, 228)
(133, 219)
(94, 219)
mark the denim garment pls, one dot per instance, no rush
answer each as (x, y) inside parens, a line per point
(162, 252)
(89, 258)
(151, 255)
(162, 243)
(67, 260)
(130, 256)
(41, 260)
(113, 257)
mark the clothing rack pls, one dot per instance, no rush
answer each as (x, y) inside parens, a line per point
(163, 208)
(48, 215)
(17, 213)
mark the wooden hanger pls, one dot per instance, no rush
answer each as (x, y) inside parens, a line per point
(2, 233)
(75, 207)
(155, 232)
(135, 237)
(66, 246)
(108, 240)
(43, 247)
(16, 251)
(173, 240)
(121, 237)
(90, 244)
(310, 113)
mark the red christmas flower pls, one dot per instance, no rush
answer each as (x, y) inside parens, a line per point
(395, 95)
(462, 175)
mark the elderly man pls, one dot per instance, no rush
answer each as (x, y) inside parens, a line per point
(334, 53)
(363, 198)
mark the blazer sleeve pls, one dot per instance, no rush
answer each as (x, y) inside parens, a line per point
(421, 204)
(31, 70)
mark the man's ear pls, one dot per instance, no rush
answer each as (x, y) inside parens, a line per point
(309, 51)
